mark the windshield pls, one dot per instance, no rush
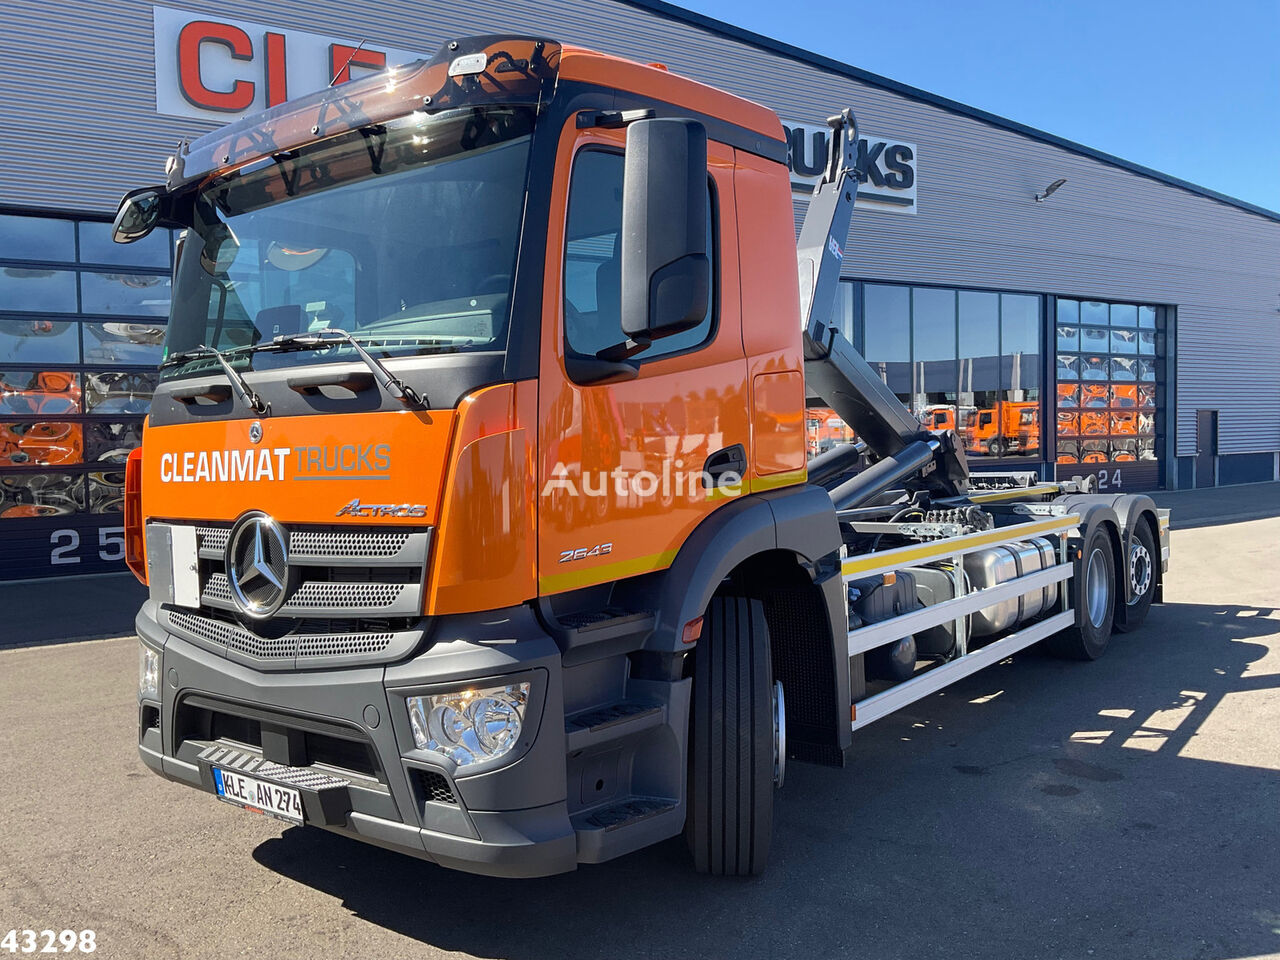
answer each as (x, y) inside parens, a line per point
(404, 235)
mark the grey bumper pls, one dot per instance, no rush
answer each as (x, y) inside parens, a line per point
(511, 820)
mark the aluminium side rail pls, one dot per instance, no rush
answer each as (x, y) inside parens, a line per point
(958, 608)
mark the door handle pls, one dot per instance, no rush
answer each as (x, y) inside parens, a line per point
(730, 460)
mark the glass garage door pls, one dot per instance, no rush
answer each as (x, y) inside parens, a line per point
(81, 325)
(1109, 392)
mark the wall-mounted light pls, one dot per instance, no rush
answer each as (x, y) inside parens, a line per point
(1050, 190)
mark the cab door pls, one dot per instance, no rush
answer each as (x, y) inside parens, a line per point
(621, 464)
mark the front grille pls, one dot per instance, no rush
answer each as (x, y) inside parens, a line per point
(352, 595)
(323, 545)
(235, 637)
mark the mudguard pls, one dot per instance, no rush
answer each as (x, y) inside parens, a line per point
(800, 520)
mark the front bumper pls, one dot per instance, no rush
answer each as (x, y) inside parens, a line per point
(350, 727)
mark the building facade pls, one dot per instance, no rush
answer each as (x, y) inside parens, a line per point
(1127, 325)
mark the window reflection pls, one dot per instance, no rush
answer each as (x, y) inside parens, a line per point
(110, 442)
(1094, 340)
(1124, 341)
(37, 238)
(119, 392)
(1091, 311)
(44, 393)
(1124, 315)
(1095, 394)
(933, 330)
(1093, 368)
(887, 334)
(106, 491)
(39, 341)
(128, 343)
(129, 294)
(40, 495)
(37, 290)
(96, 246)
(42, 443)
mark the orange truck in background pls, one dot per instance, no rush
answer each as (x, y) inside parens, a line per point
(1010, 427)
(473, 502)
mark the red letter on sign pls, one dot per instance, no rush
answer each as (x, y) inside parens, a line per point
(192, 37)
(277, 74)
(342, 58)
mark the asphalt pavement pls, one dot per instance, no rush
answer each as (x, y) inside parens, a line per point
(1039, 809)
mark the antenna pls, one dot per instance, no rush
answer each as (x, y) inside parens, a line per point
(342, 69)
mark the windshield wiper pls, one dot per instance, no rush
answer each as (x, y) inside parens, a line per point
(246, 392)
(330, 336)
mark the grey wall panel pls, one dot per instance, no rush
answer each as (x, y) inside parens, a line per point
(1109, 233)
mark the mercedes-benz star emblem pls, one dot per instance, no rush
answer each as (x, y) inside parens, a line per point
(255, 431)
(257, 561)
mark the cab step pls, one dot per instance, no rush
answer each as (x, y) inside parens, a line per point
(611, 722)
(624, 826)
(594, 634)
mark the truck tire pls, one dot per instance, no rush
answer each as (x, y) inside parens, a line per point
(731, 749)
(1094, 586)
(1140, 569)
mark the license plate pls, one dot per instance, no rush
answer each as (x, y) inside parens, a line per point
(258, 795)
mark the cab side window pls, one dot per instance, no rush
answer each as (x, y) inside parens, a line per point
(592, 263)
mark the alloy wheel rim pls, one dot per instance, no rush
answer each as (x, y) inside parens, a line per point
(1096, 588)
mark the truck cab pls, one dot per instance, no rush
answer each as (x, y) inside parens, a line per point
(464, 603)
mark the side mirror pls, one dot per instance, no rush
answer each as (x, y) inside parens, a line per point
(666, 273)
(139, 212)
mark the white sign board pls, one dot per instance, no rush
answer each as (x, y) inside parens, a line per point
(216, 68)
(889, 165)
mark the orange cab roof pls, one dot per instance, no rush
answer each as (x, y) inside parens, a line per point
(590, 66)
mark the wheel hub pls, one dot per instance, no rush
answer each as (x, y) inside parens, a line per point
(1139, 571)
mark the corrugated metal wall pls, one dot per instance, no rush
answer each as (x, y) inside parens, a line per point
(77, 102)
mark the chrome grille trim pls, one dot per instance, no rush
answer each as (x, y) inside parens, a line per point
(329, 598)
(212, 541)
(334, 548)
(329, 545)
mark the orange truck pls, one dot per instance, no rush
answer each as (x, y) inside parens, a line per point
(1011, 426)
(473, 501)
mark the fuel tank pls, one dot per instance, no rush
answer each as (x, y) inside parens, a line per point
(995, 565)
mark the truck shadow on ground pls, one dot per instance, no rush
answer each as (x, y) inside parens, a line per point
(1037, 809)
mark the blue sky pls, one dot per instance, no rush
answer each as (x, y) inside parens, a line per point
(1190, 89)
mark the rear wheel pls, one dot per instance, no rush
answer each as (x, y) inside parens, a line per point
(736, 749)
(1140, 570)
(1094, 584)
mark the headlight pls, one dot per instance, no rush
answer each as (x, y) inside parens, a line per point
(148, 672)
(470, 726)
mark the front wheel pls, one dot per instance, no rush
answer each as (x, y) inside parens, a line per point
(736, 747)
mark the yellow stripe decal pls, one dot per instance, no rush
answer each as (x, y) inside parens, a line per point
(1037, 491)
(606, 572)
(907, 556)
(775, 480)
